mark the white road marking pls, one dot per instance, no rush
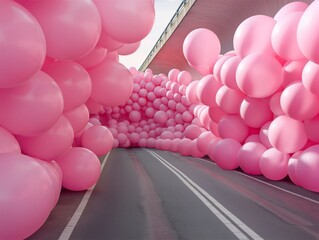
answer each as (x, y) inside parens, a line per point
(220, 211)
(266, 183)
(65, 235)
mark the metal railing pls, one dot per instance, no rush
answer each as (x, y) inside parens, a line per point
(180, 13)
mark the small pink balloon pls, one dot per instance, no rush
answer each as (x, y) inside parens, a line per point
(201, 47)
(306, 36)
(40, 146)
(298, 103)
(187, 116)
(149, 112)
(71, 78)
(80, 26)
(114, 90)
(229, 100)
(203, 141)
(78, 117)
(274, 104)
(253, 35)
(160, 117)
(184, 146)
(173, 74)
(128, 49)
(206, 90)
(253, 138)
(255, 112)
(310, 77)
(218, 65)
(292, 72)
(228, 72)
(192, 132)
(248, 157)
(135, 116)
(286, 134)
(109, 43)
(307, 167)
(259, 75)
(274, 164)
(194, 151)
(80, 167)
(126, 23)
(19, 61)
(232, 126)
(32, 107)
(93, 58)
(290, 8)
(225, 153)
(98, 139)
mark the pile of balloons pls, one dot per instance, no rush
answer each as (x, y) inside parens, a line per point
(59, 60)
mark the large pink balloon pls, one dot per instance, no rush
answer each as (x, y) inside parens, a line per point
(201, 47)
(253, 35)
(292, 164)
(32, 107)
(284, 37)
(206, 90)
(307, 168)
(310, 77)
(232, 126)
(126, 22)
(274, 164)
(51, 143)
(71, 31)
(78, 117)
(290, 8)
(286, 134)
(225, 153)
(98, 139)
(191, 92)
(259, 75)
(112, 83)
(80, 168)
(248, 157)
(8, 143)
(229, 100)
(255, 112)
(26, 196)
(298, 103)
(74, 82)
(306, 36)
(93, 58)
(19, 60)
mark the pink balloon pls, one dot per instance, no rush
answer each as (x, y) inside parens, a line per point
(19, 61)
(307, 167)
(216, 113)
(298, 103)
(248, 157)
(184, 146)
(201, 47)
(128, 49)
(98, 139)
(306, 36)
(206, 90)
(187, 116)
(78, 136)
(274, 104)
(259, 75)
(310, 77)
(78, 117)
(71, 78)
(274, 164)
(40, 146)
(149, 112)
(194, 151)
(287, 135)
(32, 107)
(232, 126)
(284, 37)
(93, 58)
(263, 135)
(228, 72)
(160, 117)
(290, 8)
(8, 143)
(203, 141)
(253, 35)
(126, 23)
(229, 100)
(192, 132)
(109, 43)
(173, 74)
(95, 121)
(292, 72)
(292, 164)
(253, 138)
(114, 90)
(80, 167)
(135, 116)
(80, 25)
(312, 129)
(255, 112)
(27, 196)
(93, 107)
(218, 65)
(211, 146)
(225, 153)
(184, 78)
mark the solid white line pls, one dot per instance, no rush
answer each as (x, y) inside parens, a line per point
(200, 193)
(65, 235)
(266, 183)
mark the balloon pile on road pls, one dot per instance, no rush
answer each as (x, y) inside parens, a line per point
(65, 99)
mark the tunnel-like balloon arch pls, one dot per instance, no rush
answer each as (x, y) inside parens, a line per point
(65, 99)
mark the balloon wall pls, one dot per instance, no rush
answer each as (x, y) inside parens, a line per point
(65, 99)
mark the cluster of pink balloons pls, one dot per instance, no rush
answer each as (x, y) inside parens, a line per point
(59, 65)
(263, 96)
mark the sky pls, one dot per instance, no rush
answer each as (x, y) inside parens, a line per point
(164, 11)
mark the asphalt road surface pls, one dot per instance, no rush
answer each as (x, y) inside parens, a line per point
(147, 194)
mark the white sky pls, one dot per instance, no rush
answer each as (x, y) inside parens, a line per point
(164, 11)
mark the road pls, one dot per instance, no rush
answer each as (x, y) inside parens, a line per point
(146, 194)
